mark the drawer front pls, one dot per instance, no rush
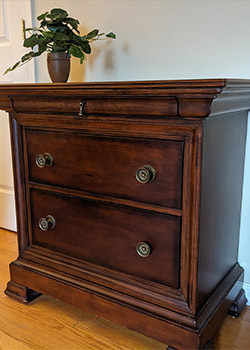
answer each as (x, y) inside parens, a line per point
(108, 165)
(134, 106)
(108, 235)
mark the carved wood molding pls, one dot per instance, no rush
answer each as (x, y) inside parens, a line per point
(158, 98)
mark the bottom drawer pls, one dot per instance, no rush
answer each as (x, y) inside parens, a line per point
(108, 235)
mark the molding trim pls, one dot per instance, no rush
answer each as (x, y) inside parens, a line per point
(7, 211)
(7, 190)
(246, 287)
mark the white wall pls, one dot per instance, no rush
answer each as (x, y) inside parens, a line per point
(161, 39)
(164, 39)
(244, 256)
(11, 49)
(7, 201)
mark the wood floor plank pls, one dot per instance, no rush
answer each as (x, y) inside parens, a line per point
(48, 324)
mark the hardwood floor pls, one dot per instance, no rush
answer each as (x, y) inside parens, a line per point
(48, 324)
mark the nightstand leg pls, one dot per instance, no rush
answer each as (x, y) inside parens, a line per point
(238, 305)
(21, 293)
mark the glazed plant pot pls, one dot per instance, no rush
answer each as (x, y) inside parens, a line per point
(58, 66)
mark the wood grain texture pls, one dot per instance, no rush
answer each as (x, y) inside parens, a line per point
(91, 241)
(49, 324)
(108, 165)
(168, 98)
(222, 177)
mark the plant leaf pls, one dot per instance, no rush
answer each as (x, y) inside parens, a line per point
(56, 27)
(73, 22)
(27, 56)
(60, 36)
(47, 34)
(58, 13)
(111, 35)
(92, 34)
(7, 71)
(59, 47)
(43, 23)
(44, 40)
(75, 51)
(84, 45)
(12, 68)
(41, 49)
(31, 41)
(42, 16)
(38, 53)
(82, 58)
(28, 29)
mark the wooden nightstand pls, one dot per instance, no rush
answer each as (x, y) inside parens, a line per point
(128, 201)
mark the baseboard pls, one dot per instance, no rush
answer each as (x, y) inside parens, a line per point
(246, 287)
(7, 209)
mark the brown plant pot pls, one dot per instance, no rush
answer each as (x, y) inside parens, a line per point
(58, 66)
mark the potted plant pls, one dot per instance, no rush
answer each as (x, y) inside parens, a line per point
(58, 35)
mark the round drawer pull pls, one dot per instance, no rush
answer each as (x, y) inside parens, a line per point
(143, 249)
(145, 174)
(44, 160)
(47, 223)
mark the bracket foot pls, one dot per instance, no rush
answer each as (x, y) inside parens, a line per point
(20, 293)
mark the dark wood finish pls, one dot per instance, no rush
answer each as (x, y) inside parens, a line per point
(105, 165)
(121, 105)
(78, 292)
(193, 133)
(20, 293)
(210, 346)
(239, 304)
(97, 240)
(222, 178)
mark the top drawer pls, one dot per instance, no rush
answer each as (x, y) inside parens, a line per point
(164, 106)
(108, 165)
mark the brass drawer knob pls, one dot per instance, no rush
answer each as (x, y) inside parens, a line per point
(47, 223)
(143, 249)
(145, 174)
(44, 160)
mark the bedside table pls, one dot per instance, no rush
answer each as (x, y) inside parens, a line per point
(128, 201)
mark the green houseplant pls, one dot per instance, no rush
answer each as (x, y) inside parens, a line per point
(58, 35)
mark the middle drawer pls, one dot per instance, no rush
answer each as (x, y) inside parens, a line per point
(111, 166)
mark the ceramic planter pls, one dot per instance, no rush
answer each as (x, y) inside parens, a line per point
(58, 66)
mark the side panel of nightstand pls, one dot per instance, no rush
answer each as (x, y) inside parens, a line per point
(221, 191)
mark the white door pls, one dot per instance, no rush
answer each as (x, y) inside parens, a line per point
(12, 14)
